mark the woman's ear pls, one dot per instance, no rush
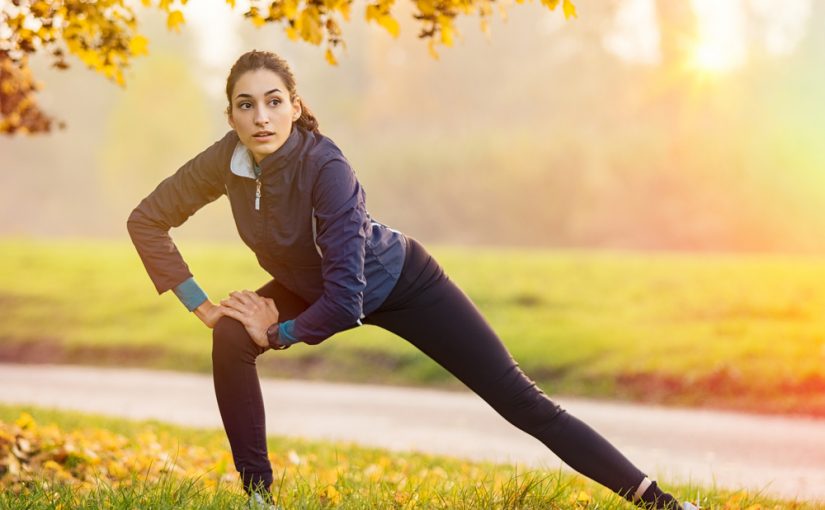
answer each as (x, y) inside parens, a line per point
(298, 110)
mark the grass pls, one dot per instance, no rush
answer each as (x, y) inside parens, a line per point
(739, 332)
(71, 460)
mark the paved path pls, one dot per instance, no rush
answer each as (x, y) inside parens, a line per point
(782, 456)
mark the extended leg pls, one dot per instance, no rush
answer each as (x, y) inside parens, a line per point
(432, 313)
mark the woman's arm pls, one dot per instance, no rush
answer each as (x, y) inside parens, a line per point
(343, 223)
(196, 183)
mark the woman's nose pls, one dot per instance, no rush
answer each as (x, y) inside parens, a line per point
(260, 117)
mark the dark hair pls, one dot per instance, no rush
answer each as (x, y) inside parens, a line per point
(252, 60)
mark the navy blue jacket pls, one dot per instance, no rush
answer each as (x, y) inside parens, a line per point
(309, 228)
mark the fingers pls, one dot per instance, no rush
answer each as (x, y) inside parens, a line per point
(248, 304)
(240, 302)
(248, 298)
(235, 314)
(233, 303)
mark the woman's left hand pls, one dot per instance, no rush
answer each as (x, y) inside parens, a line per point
(255, 312)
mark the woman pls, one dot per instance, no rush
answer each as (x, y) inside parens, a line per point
(299, 206)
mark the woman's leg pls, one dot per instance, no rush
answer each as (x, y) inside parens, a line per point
(238, 389)
(430, 311)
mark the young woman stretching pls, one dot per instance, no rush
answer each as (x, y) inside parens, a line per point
(299, 206)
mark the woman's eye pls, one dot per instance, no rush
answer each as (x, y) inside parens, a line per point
(276, 101)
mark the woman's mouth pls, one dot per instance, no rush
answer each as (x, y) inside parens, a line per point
(263, 137)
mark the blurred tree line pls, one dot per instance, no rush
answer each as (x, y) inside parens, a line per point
(539, 137)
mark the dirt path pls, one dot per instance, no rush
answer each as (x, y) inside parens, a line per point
(781, 456)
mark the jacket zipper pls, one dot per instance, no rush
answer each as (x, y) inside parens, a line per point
(258, 194)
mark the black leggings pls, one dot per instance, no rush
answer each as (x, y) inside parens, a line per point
(428, 310)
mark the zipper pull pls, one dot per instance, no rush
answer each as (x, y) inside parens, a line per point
(257, 194)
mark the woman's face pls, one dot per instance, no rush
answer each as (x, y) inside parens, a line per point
(261, 105)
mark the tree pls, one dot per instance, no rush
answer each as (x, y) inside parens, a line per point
(103, 35)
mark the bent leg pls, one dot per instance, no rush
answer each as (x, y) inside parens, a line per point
(238, 390)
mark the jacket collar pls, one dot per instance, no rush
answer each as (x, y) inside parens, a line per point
(243, 164)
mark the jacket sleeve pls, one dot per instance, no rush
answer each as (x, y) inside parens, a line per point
(339, 203)
(195, 184)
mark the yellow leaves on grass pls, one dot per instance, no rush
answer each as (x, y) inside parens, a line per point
(581, 498)
(330, 495)
(88, 457)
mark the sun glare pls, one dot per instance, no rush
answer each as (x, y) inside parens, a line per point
(720, 46)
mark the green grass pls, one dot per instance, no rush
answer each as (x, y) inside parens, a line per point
(732, 331)
(308, 474)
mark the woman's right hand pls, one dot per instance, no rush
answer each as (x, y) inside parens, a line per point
(209, 313)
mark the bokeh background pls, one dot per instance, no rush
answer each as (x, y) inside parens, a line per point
(633, 197)
(640, 125)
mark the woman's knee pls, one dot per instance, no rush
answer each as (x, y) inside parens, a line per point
(231, 341)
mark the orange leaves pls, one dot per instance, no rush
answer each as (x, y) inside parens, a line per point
(19, 112)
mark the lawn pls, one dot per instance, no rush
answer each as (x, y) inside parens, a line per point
(59, 460)
(742, 332)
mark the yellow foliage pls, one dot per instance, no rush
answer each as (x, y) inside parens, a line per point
(330, 495)
(289, 8)
(390, 24)
(344, 9)
(447, 29)
(26, 421)
(569, 10)
(103, 36)
(174, 20)
(310, 29)
(40, 8)
(425, 7)
(139, 45)
(258, 20)
(485, 27)
(431, 49)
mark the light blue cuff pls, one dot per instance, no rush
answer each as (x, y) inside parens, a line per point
(190, 293)
(285, 330)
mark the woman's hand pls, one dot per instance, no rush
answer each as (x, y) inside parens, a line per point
(255, 312)
(209, 313)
